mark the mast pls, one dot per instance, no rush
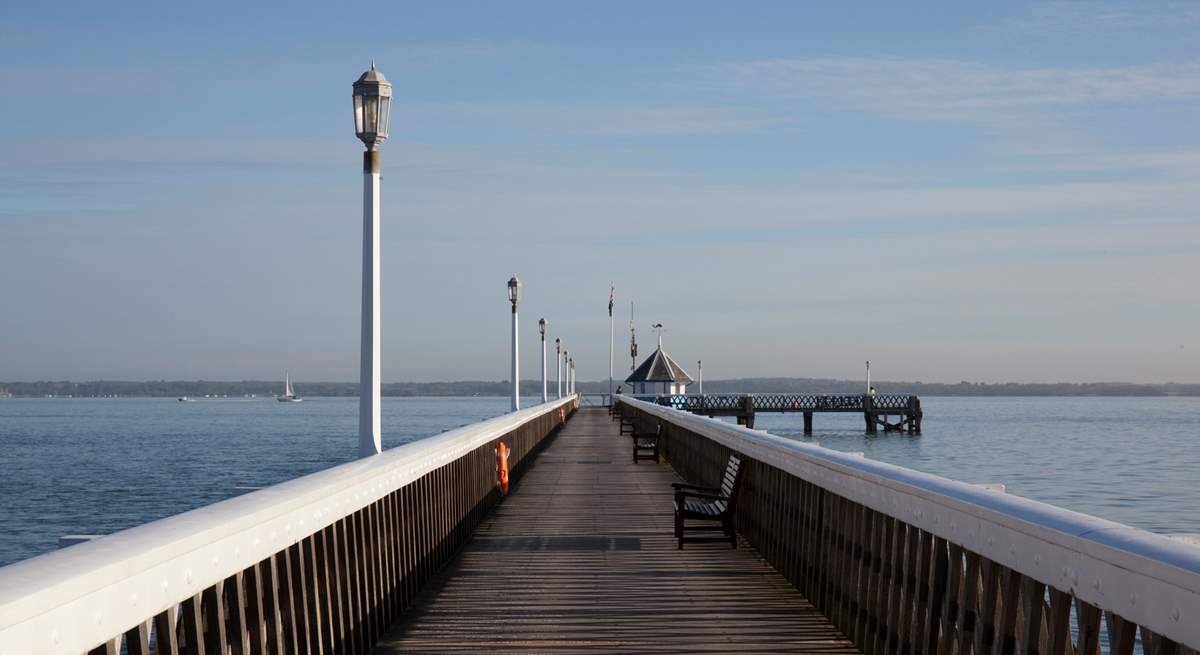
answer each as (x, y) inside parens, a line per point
(632, 340)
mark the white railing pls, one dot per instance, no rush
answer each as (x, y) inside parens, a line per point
(1147, 579)
(71, 600)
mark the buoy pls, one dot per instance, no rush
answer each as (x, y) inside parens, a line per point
(502, 452)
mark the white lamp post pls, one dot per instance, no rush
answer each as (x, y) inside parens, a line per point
(514, 297)
(567, 371)
(542, 329)
(372, 109)
(700, 375)
(572, 374)
(558, 363)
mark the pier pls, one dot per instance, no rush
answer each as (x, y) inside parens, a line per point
(415, 549)
(877, 410)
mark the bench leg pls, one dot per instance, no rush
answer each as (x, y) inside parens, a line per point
(730, 532)
(679, 529)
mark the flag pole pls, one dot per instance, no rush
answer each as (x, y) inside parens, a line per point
(612, 296)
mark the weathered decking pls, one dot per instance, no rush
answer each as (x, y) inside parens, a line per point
(581, 559)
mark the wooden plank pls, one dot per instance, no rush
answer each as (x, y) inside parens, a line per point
(968, 609)
(1010, 599)
(937, 603)
(1121, 634)
(193, 626)
(949, 621)
(137, 639)
(317, 595)
(1034, 635)
(166, 640)
(236, 629)
(212, 611)
(299, 592)
(286, 601)
(336, 564)
(985, 633)
(1087, 617)
(898, 532)
(269, 581)
(1060, 623)
(908, 596)
(920, 620)
(256, 621)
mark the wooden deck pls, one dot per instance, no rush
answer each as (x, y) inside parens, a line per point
(580, 558)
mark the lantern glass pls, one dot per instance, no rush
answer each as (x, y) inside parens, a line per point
(371, 114)
(358, 115)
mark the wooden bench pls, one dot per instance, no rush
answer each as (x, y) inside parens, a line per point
(645, 444)
(709, 504)
(627, 426)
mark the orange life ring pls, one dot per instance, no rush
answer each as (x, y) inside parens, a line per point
(562, 416)
(502, 453)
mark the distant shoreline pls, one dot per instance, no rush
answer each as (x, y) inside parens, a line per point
(501, 389)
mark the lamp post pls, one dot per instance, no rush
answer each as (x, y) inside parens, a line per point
(514, 297)
(572, 374)
(372, 109)
(700, 375)
(566, 383)
(542, 329)
(558, 364)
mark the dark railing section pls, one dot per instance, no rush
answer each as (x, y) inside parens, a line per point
(876, 410)
(896, 589)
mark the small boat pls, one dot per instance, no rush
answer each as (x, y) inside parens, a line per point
(185, 399)
(289, 394)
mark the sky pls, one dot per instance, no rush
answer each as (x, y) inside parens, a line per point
(955, 191)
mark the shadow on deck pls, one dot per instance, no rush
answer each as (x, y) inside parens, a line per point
(581, 559)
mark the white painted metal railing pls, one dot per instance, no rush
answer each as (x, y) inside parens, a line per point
(1129, 574)
(74, 599)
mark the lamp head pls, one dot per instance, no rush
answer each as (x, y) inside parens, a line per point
(514, 291)
(372, 107)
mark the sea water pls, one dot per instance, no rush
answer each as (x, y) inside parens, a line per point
(94, 466)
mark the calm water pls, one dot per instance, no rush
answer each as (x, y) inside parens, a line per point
(95, 466)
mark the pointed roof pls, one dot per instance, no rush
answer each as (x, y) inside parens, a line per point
(659, 367)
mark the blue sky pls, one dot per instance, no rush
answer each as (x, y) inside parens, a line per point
(956, 191)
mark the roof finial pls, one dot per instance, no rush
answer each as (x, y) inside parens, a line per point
(372, 63)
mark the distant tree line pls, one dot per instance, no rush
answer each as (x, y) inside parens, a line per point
(201, 388)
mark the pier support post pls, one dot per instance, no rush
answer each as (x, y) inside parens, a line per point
(808, 423)
(869, 414)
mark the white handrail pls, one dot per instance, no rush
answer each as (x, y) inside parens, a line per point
(70, 600)
(1146, 578)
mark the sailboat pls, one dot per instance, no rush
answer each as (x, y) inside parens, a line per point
(289, 394)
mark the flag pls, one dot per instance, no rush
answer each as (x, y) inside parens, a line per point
(612, 296)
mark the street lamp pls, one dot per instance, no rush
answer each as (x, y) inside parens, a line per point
(571, 374)
(566, 358)
(558, 363)
(372, 110)
(542, 329)
(514, 297)
(700, 374)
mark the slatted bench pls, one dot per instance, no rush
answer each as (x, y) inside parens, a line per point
(645, 444)
(710, 505)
